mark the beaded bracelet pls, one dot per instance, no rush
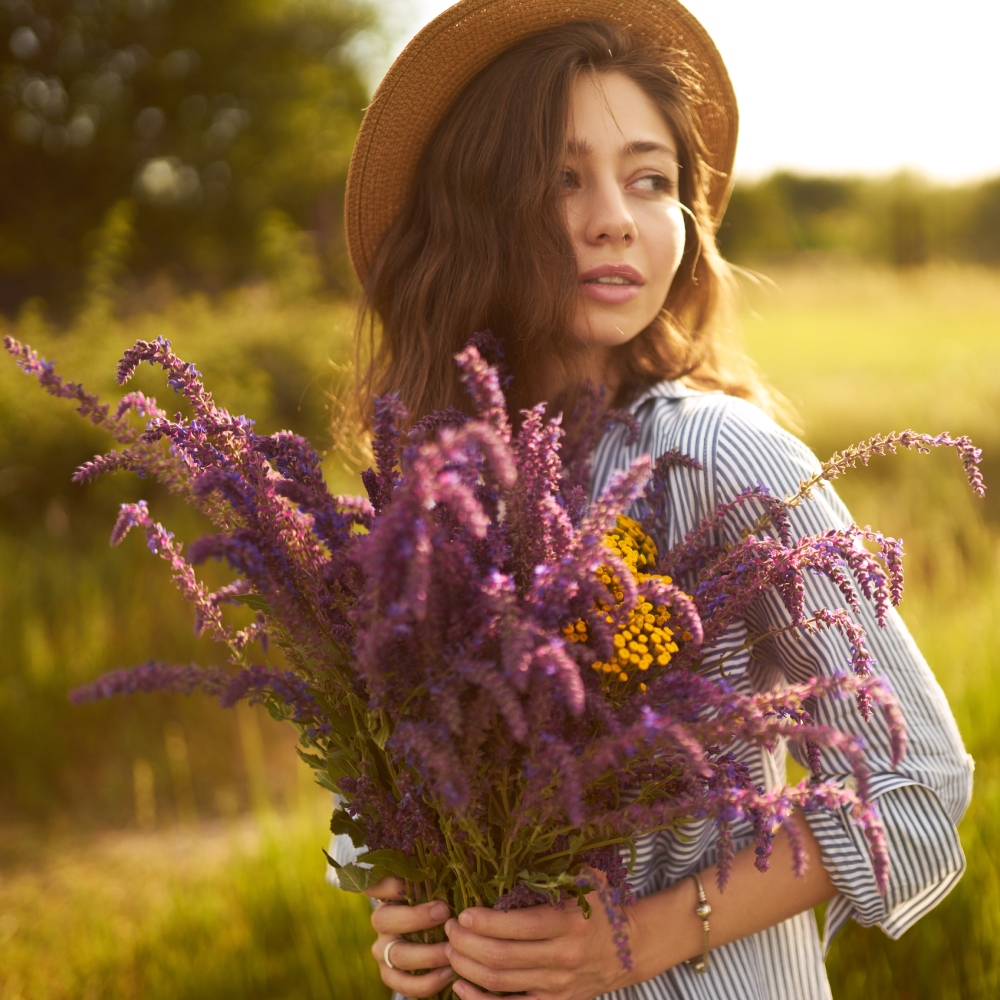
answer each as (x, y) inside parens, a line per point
(703, 911)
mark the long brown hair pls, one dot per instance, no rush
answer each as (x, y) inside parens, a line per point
(482, 242)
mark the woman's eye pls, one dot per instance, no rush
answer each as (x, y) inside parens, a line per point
(568, 179)
(655, 182)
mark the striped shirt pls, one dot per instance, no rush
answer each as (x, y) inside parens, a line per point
(920, 801)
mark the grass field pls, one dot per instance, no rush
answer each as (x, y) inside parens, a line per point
(220, 912)
(92, 906)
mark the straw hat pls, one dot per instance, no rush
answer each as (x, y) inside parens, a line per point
(437, 65)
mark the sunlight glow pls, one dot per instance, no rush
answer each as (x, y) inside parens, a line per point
(861, 86)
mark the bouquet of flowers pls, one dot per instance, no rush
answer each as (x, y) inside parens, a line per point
(504, 685)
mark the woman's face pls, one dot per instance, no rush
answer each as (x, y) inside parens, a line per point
(620, 192)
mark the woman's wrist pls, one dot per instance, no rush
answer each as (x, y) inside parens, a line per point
(665, 929)
(663, 932)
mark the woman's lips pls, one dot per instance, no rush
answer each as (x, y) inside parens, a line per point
(613, 284)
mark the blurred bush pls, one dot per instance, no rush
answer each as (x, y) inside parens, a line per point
(207, 114)
(71, 608)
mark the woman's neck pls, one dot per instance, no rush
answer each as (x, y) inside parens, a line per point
(591, 363)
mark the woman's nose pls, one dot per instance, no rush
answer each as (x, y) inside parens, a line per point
(610, 220)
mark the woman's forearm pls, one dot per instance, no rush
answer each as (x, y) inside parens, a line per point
(665, 931)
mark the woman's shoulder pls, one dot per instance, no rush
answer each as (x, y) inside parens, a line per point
(735, 441)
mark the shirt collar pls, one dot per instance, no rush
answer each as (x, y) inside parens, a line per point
(672, 389)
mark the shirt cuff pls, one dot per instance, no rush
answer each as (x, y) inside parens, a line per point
(925, 858)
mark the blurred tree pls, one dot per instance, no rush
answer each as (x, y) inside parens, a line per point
(984, 233)
(785, 214)
(207, 114)
(908, 228)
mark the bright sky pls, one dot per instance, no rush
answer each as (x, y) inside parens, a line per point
(856, 86)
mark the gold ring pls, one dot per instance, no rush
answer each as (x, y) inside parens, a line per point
(385, 954)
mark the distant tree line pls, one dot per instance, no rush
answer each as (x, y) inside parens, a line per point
(903, 220)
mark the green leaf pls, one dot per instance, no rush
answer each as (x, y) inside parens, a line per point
(254, 601)
(398, 864)
(376, 755)
(341, 822)
(343, 725)
(316, 762)
(494, 814)
(277, 711)
(323, 780)
(341, 764)
(378, 724)
(354, 878)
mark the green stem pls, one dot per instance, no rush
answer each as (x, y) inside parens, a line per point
(436, 934)
(458, 865)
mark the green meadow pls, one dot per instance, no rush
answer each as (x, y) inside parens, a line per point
(160, 847)
(865, 350)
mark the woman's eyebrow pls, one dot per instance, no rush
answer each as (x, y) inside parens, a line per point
(580, 147)
(647, 146)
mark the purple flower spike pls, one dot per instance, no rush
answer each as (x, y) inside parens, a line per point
(88, 405)
(182, 376)
(800, 858)
(552, 659)
(619, 926)
(621, 492)
(483, 384)
(626, 420)
(149, 677)
(137, 402)
(887, 444)
(161, 543)
(381, 482)
(132, 515)
(99, 465)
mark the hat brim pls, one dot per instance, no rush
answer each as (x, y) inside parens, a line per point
(444, 57)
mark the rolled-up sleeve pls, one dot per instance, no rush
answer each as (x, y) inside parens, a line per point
(922, 800)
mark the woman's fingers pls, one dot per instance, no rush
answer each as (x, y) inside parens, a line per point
(416, 986)
(388, 888)
(407, 957)
(466, 991)
(506, 980)
(533, 923)
(498, 953)
(397, 919)
(392, 920)
(410, 957)
(505, 966)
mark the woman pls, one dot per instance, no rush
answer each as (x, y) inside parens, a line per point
(557, 174)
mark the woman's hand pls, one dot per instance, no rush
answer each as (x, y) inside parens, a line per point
(393, 918)
(550, 954)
